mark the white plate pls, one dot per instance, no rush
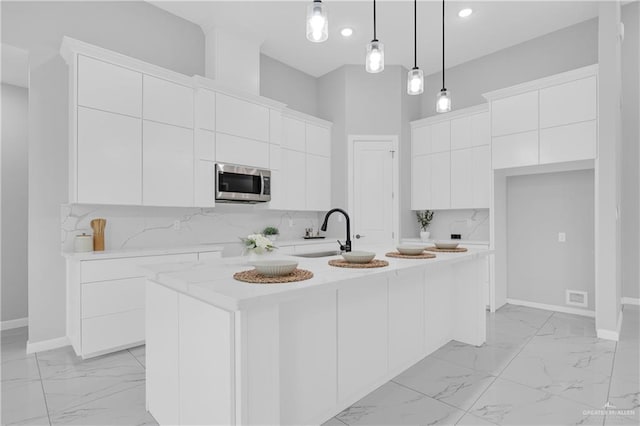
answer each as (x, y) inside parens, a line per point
(448, 245)
(358, 256)
(275, 268)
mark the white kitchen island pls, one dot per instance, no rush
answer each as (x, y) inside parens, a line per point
(220, 351)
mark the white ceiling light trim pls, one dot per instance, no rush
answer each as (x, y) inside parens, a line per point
(465, 13)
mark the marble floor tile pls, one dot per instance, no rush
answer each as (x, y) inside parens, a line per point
(524, 316)
(489, 358)
(627, 361)
(447, 382)
(122, 408)
(14, 335)
(625, 395)
(392, 404)
(563, 326)
(14, 350)
(471, 420)
(139, 353)
(69, 381)
(333, 422)
(508, 403)
(23, 403)
(19, 370)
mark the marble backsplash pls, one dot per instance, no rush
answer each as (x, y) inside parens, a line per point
(148, 227)
(472, 224)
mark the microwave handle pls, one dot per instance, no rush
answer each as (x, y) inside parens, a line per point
(261, 183)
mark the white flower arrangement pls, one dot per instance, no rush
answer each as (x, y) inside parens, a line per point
(258, 243)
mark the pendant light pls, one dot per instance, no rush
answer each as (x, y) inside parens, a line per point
(443, 99)
(415, 78)
(317, 22)
(374, 61)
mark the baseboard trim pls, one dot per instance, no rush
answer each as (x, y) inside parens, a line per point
(554, 308)
(16, 323)
(611, 334)
(631, 301)
(47, 345)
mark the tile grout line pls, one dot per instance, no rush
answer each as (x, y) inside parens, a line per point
(137, 360)
(613, 364)
(44, 394)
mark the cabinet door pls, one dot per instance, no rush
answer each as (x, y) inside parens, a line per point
(318, 140)
(293, 178)
(439, 307)
(109, 87)
(514, 114)
(275, 157)
(242, 118)
(293, 134)
(441, 137)
(362, 335)
(205, 109)
(275, 127)
(205, 146)
(168, 102)
(481, 177)
(318, 183)
(406, 318)
(111, 297)
(568, 143)
(441, 181)
(421, 140)
(167, 165)
(237, 150)
(461, 133)
(568, 103)
(109, 158)
(462, 179)
(421, 182)
(516, 150)
(480, 129)
(278, 193)
(204, 183)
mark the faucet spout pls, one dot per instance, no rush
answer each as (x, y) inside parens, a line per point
(347, 245)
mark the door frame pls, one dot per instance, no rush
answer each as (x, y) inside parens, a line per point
(351, 141)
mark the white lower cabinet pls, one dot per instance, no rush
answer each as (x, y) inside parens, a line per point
(438, 304)
(406, 318)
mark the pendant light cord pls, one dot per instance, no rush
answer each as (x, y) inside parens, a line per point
(415, 34)
(443, 87)
(374, 21)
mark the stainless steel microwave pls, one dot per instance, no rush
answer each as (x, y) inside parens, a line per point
(236, 183)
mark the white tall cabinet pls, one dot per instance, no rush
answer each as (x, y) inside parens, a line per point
(451, 161)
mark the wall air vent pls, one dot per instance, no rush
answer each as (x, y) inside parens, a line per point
(577, 298)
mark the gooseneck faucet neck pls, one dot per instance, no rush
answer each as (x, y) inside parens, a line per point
(347, 245)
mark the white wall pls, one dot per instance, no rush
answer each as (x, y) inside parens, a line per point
(540, 268)
(14, 202)
(630, 203)
(288, 85)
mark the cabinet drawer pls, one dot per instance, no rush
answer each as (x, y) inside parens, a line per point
(568, 103)
(514, 114)
(113, 269)
(109, 87)
(109, 332)
(515, 150)
(168, 102)
(111, 297)
(241, 118)
(568, 143)
(237, 150)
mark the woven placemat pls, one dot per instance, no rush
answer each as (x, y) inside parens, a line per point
(453, 250)
(254, 277)
(375, 263)
(422, 255)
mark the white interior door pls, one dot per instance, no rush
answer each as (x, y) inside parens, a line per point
(373, 192)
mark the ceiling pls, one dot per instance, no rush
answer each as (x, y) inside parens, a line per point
(493, 26)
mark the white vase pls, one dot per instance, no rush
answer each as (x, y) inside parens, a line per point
(424, 236)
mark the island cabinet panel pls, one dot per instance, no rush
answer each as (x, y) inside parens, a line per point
(362, 335)
(307, 358)
(206, 364)
(439, 307)
(406, 318)
(162, 354)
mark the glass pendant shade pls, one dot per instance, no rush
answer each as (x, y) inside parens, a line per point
(374, 62)
(443, 101)
(415, 82)
(317, 22)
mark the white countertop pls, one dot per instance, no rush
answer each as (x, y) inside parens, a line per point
(134, 252)
(433, 240)
(213, 282)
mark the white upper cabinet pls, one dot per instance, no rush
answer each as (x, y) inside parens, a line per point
(275, 127)
(205, 113)
(515, 114)
(441, 136)
(572, 142)
(293, 178)
(168, 102)
(318, 183)
(318, 140)
(237, 150)
(109, 158)
(481, 177)
(242, 118)
(109, 87)
(441, 180)
(480, 129)
(461, 133)
(518, 150)
(461, 179)
(421, 140)
(168, 165)
(294, 134)
(568, 103)
(421, 182)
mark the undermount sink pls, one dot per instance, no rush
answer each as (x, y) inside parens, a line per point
(319, 254)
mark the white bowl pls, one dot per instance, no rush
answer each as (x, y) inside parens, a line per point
(358, 256)
(275, 268)
(447, 245)
(410, 249)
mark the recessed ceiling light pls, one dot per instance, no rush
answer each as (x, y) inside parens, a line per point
(346, 32)
(466, 12)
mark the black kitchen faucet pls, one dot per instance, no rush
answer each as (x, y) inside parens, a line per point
(347, 244)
